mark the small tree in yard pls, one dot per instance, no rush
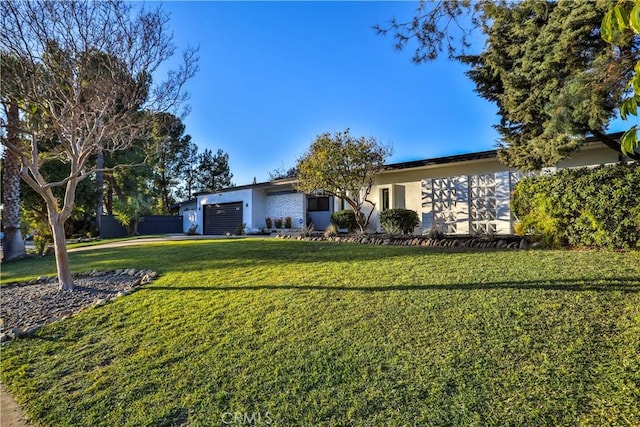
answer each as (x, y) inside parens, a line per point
(81, 74)
(129, 212)
(342, 166)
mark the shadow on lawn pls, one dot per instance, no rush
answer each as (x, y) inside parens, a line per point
(621, 284)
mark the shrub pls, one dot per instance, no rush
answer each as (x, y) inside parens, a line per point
(434, 233)
(240, 229)
(193, 230)
(344, 219)
(582, 207)
(287, 222)
(399, 220)
(306, 230)
(268, 222)
(331, 231)
(278, 222)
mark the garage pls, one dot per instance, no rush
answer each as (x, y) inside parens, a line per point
(222, 218)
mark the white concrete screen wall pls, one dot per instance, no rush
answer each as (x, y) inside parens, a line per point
(469, 204)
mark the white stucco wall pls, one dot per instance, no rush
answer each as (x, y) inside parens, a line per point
(406, 186)
(189, 214)
(259, 209)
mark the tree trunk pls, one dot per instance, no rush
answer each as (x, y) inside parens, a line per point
(13, 244)
(65, 280)
(108, 201)
(100, 185)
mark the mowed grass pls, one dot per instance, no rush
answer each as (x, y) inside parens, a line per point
(311, 333)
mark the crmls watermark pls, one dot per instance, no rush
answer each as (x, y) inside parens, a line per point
(247, 418)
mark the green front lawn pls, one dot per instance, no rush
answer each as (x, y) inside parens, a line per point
(313, 333)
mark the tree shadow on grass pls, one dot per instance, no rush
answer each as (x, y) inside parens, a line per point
(619, 284)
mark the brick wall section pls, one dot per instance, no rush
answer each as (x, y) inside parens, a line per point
(283, 205)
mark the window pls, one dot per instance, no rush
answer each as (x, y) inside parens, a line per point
(384, 197)
(317, 204)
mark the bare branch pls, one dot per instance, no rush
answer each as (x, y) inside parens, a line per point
(81, 72)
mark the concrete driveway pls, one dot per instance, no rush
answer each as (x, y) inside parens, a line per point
(166, 238)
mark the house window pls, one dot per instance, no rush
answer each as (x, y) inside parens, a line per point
(384, 197)
(317, 204)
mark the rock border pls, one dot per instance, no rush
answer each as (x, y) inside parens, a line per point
(506, 242)
(139, 278)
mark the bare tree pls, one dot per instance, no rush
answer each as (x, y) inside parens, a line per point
(82, 75)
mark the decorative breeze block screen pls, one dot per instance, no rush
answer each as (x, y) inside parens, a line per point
(469, 204)
(483, 204)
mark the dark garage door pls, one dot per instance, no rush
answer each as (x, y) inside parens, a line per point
(222, 218)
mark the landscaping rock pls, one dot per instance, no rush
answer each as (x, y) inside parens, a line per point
(26, 307)
(32, 329)
(524, 244)
(14, 333)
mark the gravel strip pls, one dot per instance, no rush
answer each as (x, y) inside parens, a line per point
(26, 307)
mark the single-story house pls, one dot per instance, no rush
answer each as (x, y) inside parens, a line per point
(224, 211)
(460, 194)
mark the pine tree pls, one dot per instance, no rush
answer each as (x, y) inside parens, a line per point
(213, 171)
(544, 64)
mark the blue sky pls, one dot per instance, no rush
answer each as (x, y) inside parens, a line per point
(273, 75)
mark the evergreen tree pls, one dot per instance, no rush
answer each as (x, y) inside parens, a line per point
(188, 167)
(171, 159)
(553, 78)
(213, 171)
(545, 65)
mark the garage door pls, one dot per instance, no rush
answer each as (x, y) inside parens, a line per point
(222, 218)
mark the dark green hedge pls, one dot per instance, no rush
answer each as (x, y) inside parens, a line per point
(394, 220)
(582, 207)
(344, 219)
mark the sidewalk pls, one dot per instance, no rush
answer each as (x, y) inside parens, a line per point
(166, 238)
(10, 412)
